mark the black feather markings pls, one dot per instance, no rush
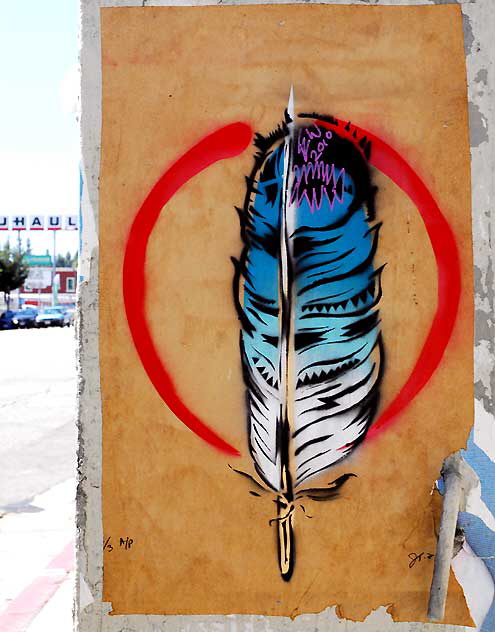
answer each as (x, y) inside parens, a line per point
(246, 324)
(325, 493)
(374, 230)
(263, 143)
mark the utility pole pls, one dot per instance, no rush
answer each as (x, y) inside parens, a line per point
(19, 248)
(54, 224)
(54, 268)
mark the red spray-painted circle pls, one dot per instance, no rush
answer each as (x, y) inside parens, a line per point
(230, 141)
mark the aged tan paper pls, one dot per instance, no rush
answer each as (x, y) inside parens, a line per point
(201, 542)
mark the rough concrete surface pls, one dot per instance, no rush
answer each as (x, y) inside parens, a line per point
(91, 613)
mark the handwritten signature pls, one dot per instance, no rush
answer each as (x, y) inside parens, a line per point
(418, 557)
(304, 144)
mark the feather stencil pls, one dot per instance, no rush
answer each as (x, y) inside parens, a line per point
(306, 292)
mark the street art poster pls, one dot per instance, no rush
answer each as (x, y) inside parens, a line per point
(286, 305)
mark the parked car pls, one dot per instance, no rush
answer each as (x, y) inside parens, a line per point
(51, 317)
(25, 317)
(67, 313)
(70, 310)
(7, 320)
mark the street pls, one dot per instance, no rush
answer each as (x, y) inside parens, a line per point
(37, 476)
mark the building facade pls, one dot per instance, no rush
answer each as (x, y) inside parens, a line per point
(37, 289)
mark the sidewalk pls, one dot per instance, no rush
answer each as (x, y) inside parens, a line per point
(36, 549)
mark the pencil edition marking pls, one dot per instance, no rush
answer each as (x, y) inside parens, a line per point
(124, 543)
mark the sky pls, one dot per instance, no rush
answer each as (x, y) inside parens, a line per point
(39, 130)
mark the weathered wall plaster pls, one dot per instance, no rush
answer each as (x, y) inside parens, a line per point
(91, 612)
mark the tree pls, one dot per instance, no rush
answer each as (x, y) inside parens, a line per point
(64, 261)
(13, 271)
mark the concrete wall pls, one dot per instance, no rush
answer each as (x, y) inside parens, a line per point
(91, 612)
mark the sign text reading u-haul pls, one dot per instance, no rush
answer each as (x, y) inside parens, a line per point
(39, 222)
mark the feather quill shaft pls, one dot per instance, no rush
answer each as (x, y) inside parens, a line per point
(284, 506)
